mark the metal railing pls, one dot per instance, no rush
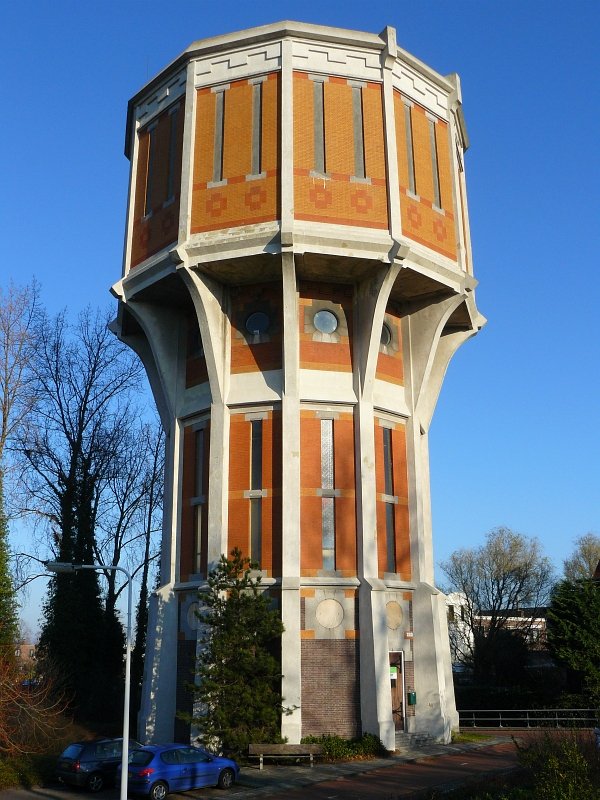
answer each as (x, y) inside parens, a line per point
(529, 718)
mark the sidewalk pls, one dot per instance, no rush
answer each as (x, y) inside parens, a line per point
(406, 773)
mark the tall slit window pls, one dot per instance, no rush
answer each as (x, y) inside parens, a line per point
(437, 199)
(257, 101)
(150, 170)
(359, 132)
(199, 500)
(319, 126)
(390, 501)
(256, 493)
(410, 154)
(170, 193)
(328, 494)
(219, 131)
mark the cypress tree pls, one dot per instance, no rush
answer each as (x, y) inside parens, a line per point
(239, 693)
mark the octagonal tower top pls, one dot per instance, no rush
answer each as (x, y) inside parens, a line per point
(332, 142)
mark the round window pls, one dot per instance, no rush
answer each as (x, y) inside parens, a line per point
(386, 334)
(325, 321)
(257, 323)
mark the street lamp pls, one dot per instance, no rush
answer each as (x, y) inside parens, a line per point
(66, 566)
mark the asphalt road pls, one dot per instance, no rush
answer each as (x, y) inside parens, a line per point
(409, 777)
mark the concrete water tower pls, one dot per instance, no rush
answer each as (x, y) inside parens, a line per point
(297, 276)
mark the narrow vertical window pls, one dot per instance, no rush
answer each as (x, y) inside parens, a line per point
(150, 170)
(170, 193)
(199, 499)
(410, 154)
(218, 143)
(319, 126)
(256, 469)
(390, 501)
(359, 132)
(256, 128)
(328, 494)
(437, 199)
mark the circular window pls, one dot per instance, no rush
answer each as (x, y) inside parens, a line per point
(394, 615)
(386, 334)
(325, 321)
(329, 613)
(257, 323)
(192, 616)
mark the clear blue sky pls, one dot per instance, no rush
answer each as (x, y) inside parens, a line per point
(515, 439)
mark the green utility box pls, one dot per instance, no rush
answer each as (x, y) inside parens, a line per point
(411, 698)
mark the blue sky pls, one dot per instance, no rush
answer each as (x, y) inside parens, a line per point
(514, 440)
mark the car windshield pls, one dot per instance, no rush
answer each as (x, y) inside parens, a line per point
(140, 757)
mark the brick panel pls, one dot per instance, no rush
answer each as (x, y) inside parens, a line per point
(311, 538)
(337, 198)
(345, 505)
(390, 365)
(374, 133)
(330, 688)
(403, 564)
(237, 144)
(155, 231)
(420, 220)
(304, 151)
(315, 354)
(277, 521)
(238, 200)
(339, 126)
(248, 355)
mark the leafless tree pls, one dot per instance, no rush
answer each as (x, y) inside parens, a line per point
(496, 582)
(83, 378)
(19, 313)
(129, 517)
(585, 558)
(31, 712)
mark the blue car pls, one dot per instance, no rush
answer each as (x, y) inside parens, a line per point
(156, 770)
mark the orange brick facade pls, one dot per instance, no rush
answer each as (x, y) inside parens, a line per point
(239, 513)
(239, 197)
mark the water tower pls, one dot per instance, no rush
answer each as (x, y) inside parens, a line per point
(297, 276)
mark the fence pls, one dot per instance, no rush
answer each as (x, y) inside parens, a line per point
(530, 718)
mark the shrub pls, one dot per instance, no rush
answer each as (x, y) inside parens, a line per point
(564, 765)
(335, 748)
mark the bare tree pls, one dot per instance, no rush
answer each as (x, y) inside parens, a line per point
(83, 381)
(19, 313)
(496, 582)
(31, 713)
(585, 558)
(129, 515)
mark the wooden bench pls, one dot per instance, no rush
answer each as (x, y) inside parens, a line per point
(296, 751)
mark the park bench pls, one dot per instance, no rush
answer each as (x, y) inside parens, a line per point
(295, 751)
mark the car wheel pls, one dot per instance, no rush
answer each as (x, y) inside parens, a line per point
(226, 779)
(95, 782)
(159, 791)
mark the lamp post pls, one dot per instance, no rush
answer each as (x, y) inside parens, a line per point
(66, 566)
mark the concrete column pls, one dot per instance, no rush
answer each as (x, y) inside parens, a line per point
(375, 701)
(158, 705)
(290, 489)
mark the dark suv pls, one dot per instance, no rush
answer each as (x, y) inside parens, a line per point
(91, 764)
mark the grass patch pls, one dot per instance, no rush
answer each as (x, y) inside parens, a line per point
(464, 737)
